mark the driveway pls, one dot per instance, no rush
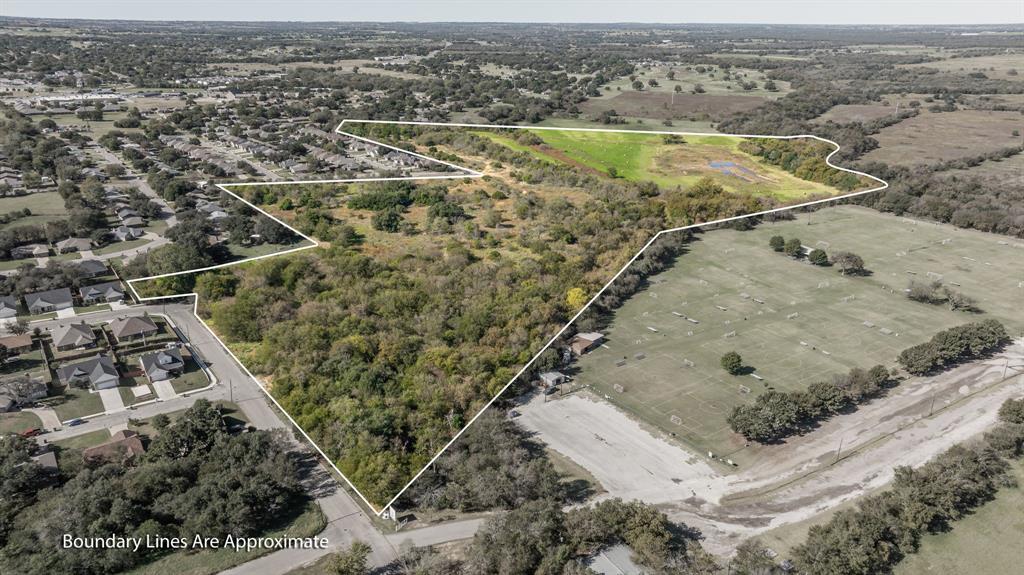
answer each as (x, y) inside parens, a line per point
(164, 390)
(112, 402)
(66, 313)
(46, 415)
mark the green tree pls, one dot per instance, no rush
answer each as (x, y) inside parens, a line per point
(793, 248)
(818, 257)
(732, 363)
(777, 243)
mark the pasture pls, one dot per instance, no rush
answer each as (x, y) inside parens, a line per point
(647, 157)
(45, 207)
(930, 138)
(987, 541)
(793, 323)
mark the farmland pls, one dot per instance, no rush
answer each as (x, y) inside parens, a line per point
(929, 137)
(814, 322)
(648, 157)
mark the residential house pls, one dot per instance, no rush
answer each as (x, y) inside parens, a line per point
(47, 301)
(47, 460)
(17, 344)
(133, 328)
(126, 213)
(8, 307)
(162, 364)
(125, 233)
(23, 389)
(98, 371)
(73, 336)
(584, 342)
(91, 268)
(122, 445)
(134, 222)
(30, 251)
(74, 245)
(102, 293)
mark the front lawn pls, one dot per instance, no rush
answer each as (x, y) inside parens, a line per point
(193, 378)
(75, 402)
(18, 421)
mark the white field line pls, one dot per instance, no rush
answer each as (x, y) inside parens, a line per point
(469, 174)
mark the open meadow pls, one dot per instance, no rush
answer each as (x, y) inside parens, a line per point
(793, 323)
(933, 137)
(651, 157)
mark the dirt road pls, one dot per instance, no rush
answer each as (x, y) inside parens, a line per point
(791, 482)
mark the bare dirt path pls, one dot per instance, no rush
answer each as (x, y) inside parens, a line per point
(795, 481)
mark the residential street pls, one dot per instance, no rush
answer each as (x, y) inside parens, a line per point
(347, 521)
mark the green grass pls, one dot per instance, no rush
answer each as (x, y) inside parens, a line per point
(309, 521)
(640, 156)
(987, 541)
(77, 403)
(66, 257)
(193, 378)
(45, 207)
(7, 265)
(120, 246)
(90, 439)
(724, 264)
(18, 421)
(91, 308)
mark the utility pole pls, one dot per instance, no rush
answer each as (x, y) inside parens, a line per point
(839, 451)
(231, 390)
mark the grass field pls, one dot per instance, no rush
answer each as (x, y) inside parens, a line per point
(929, 137)
(18, 421)
(646, 157)
(993, 66)
(45, 207)
(732, 269)
(988, 541)
(845, 113)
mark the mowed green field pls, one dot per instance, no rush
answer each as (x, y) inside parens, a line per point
(718, 282)
(45, 207)
(646, 157)
(987, 541)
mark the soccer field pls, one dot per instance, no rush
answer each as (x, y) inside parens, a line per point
(793, 323)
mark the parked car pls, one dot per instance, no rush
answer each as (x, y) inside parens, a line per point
(31, 432)
(76, 421)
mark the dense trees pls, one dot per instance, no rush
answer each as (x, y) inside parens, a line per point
(954, 345)
(775, 414)
(195, 479)
(884, 528)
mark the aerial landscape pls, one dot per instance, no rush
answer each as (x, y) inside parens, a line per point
(330, 296)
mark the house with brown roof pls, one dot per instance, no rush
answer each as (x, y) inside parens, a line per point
(123, 445)
(133, 328)
(73, 336)
(581, 343)
(17, 344)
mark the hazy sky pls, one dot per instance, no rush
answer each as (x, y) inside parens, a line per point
(648, 11)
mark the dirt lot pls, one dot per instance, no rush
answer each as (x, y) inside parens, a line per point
(806, 477)
(929, 138)
(666, 106)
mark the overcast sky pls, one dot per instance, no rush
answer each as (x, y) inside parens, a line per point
(647, 11)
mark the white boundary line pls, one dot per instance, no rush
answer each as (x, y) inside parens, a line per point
(468, 173)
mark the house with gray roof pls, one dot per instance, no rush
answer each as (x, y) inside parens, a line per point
(125, 233)
(8, 307)
(98, 371)
(91, 268)
(50, 300)
(73, 336)
(163, 364)
(104, 292)
(74, 245)
(30, 251)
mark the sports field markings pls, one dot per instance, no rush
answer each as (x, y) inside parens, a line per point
(467, 174)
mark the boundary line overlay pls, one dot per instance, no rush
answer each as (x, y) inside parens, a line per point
(467, 174)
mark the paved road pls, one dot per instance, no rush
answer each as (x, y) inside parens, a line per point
(435, 534)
